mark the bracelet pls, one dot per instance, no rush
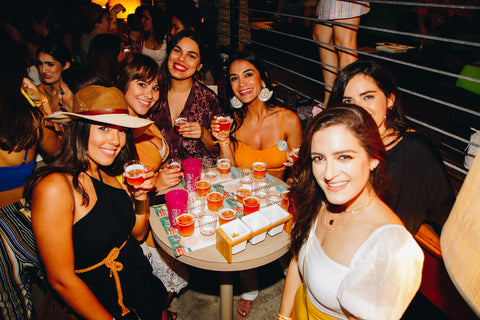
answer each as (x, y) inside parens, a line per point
(141, 206)
(40, 103)
(282, 317)
(224, 143)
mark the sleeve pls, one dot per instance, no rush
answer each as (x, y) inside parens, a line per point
(385, 275)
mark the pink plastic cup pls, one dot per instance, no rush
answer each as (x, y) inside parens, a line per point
(192, 172)
(176, 204)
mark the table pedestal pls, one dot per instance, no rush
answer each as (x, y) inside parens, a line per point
(226, 295)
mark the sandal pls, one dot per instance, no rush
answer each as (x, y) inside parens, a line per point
(168, 315)
(244, 307)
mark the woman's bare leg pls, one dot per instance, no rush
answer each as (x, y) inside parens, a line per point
(328, 55)
(346, 37)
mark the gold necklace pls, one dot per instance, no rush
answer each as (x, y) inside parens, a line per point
(330, 219)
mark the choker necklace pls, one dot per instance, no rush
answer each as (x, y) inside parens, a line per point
(333, 221)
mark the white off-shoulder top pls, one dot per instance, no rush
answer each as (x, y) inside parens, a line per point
(381, 280)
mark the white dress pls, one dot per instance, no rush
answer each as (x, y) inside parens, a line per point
(381, 280)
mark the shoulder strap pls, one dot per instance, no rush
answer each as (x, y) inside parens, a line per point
(283, 138)
(71, 192)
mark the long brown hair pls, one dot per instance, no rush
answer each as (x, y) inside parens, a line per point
(305, 192)
(73, 158)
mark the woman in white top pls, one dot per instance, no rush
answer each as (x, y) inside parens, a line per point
(352, 256)
(154, 26)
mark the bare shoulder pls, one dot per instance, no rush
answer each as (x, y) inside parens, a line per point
(53, 186)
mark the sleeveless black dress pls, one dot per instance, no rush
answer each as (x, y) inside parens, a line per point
(106, 226)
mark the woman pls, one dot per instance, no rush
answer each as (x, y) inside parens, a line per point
(73, 79)
(88, 241)
(183, 96)
(184, 17)
(22, 135)
(152, 42)
(355, 258)
(53, 57)
(420, 190)
(138, 78)
(339, 11)
(104, 55)
(261, 130)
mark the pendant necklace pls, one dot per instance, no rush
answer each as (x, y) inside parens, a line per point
(333, 221)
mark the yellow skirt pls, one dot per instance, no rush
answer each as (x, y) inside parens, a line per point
(300, 309)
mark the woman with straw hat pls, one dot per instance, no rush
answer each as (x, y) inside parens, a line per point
(85, 224)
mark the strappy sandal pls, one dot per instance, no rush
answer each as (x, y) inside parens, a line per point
(168, 315)
(244, 307)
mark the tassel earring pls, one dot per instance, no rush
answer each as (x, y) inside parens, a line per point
(236, 103)
(265, 93)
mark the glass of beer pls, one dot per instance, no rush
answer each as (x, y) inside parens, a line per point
(242, 190)
(174, 164)
(250, 205)
(226, 215)
(178, 123)
(134, 170)
(185, 225)
(223, 166)
(285, 198)
(214, 201)
(259, 169)
(295, 154)
(203, 187)
(223, 121)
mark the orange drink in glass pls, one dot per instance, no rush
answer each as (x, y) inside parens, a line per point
(203, 187)
(223, 121)
(174, 164)
(214, 201)
(226, 215)
(250, 205)
(285, 198)
(185, 225)
(259, 169)
(134, 172)
(242, 190)
(223, 166)
(295, 154)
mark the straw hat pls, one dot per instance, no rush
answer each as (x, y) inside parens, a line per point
(100, 104)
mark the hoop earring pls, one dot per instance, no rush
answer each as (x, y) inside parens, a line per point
(236, 103)
(265, 93)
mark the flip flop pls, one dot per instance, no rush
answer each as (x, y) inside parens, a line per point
(244, 307)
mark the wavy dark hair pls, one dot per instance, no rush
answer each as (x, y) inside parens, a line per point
(102, 56)
(137, 67)
(240, 114)
(57, 50)
(202, 47)
(384, 80)
(78, 77)
(305, 192)
(73, 158)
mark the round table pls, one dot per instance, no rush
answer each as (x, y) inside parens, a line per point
(209, 258)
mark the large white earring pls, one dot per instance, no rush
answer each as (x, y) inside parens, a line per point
(236, 103)
(265, 93)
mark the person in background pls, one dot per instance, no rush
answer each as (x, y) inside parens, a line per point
(53, 57)
(151, 41)
(104, 55)
(419, 189)
(139, 77)
(88, 241)
(183, 96)
(260, 131)
(22, 135)
(343, 36)
(94, 21)
(73, 79)
(352, 256)
(184, 16)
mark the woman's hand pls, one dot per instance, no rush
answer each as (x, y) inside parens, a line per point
(292, 156)
(168, 178)
(220, 136)
(192, 130)
(142, 190)
(32, 90)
